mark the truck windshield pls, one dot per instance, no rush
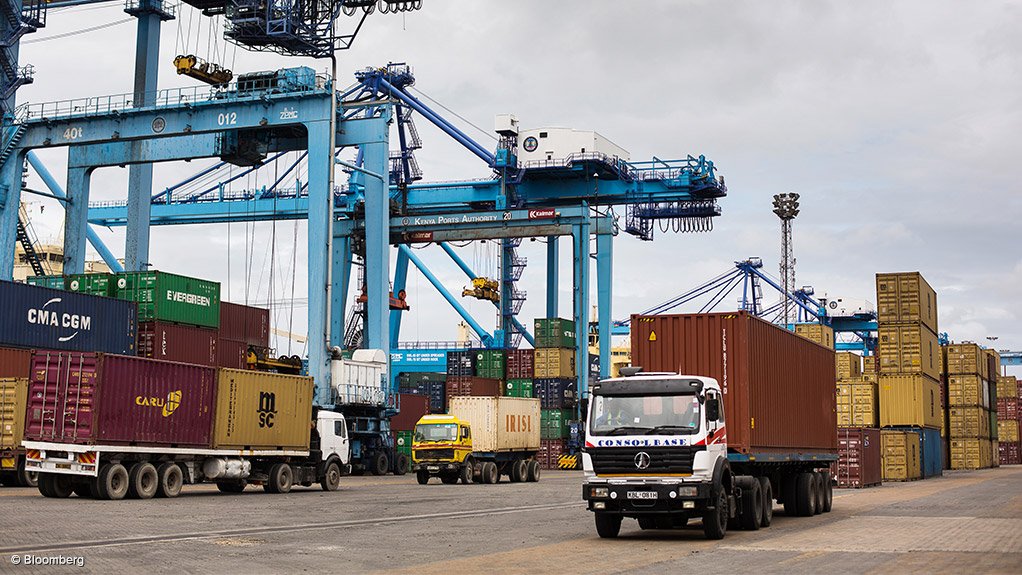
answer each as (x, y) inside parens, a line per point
(650, 415)
(436, 432)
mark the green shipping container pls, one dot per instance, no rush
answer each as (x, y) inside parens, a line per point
(554, 423)
(94, 284)
(491, 363)
(169, 297)
(403, 443)
(518, 388)
(555, 332)
(52, 282)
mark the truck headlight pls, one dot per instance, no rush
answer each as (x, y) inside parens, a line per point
(691, 491)
(688, 504)
(599, 492)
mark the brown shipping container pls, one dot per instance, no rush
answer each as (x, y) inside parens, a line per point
(95, 398)
(909, 349)
(412, 408)
(245, 323)
(265, 411)
(1008, 408)
(179, 343)
(860, 462)
(15, 362)
(520, 364)
(906, 297)
(993, 364)
(779, 388)
(13, 394)
(466, 385)
(231, 354)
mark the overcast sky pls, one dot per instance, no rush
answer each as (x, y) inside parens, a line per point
(897, 122)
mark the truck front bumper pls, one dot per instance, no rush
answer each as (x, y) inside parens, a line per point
(436, 467)
(645, 498)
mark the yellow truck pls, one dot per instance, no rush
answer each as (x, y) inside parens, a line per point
(480, 440)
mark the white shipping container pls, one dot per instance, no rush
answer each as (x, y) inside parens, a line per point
(362, 379)
(500, 423)
(543, 144)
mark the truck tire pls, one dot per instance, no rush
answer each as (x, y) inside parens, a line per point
(400, 464)
(608, 526)
(818, 501)
(450, 478)
(82, 490)
(715, 519)
(534, 471)
(490, 474)
(768, 501)
(752, 504)
(423, 477)
(44, 485)
(647, 523)
(280, 480)
(805, 495)
(25, 478)
(169, 480)
(56, 486)
(379, 463)
(466, 472)
(519, 471)
(112, 482)
(828, 492)
(236, 486)
(142, 481)
(789, 491)
(331, 477)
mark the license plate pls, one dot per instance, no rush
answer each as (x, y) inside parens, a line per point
(433, 468)
(642, 495)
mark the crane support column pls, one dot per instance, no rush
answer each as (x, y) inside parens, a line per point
(10, 198)
(551, 276)
(321, 165)
(604, 290)
(339, 294)
(377, 218)
(400, 281)
(580, 300)
(76, 221)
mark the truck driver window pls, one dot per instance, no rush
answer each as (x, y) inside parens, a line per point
(647, 415)
(339, 429)
(436, 432)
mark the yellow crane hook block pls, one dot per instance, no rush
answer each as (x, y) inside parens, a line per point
(208, 72)
(483, 288)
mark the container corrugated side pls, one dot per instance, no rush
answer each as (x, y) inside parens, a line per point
(859, 462)
(412, 407)
(909, 349)
(176, 342)
(931, 450)
(231, 354)
(848, 365)
(910, 400)
(821, 334)
(170, 297)
(245, 323)
(906, 297)
(15, 362)
(900, 455)
(969, 422)
(760, 366)
(965, 358)
(13, 396)
(1007, 386)
(89, 398)
(264, 411)
(43, 318)
(1007, 431)
(101, 284)
(500, 423)
(965, 390)
(554, 363)
(970, 453)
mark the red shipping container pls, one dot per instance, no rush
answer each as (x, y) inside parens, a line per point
(175, 342)
(412, 408)
(245, 323)
(1010, 453)
(859, 457)
(14, 362)
(477, 386)
(779, 388)
(1007, 408)
(232, 354)
(550, 451)
(521, 363)
(95, 398)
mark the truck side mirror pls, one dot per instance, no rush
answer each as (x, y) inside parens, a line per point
(713, 409)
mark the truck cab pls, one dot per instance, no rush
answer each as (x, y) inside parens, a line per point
(333, 438)
(442, 447)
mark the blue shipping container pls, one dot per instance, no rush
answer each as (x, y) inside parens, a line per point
(42, 318)
(555, 393)
(931, 451)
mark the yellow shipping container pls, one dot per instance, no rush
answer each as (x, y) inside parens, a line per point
(909, 349)
(965, 358)
(900, 454)
(969, 422)
(906, 297)
(555, 362)
(971, 453)
(1007, 430)
(909, 400)
(821, 334)
(871, 377)
(13, 395)
(848, 364)
(267, 411)
(857, 405)
(1007, 386)
(965, 390)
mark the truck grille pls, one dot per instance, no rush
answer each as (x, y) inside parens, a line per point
(433, 454)
(611, 460)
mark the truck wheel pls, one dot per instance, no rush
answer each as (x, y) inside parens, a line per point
(423, 477)
(400, 464)
(789, 489)
(280, 480)
(466, 472)
(828, 492)
(534, 471)
(818, 500)
(450, 478)
(82, 490)
(379, 464)
(768, 502)
(56, 486)
(236, 486)
(715, 520)
(112, 482)
(169, 480)
(519, 471)
(44, 485)
(805, 495)
(25, 478)
(752, 504)
(331, 477)
(608, 526)
(490, 474)
(142, 481)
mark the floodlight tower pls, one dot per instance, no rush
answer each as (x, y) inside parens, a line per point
(786, 208)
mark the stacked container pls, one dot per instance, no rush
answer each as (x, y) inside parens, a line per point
(1009, 447)
(910, 365)
(555, 383)
(431, 385)
(821, 334)
(970, 407)
(519, 373)
(859, 457)
(241, 326)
